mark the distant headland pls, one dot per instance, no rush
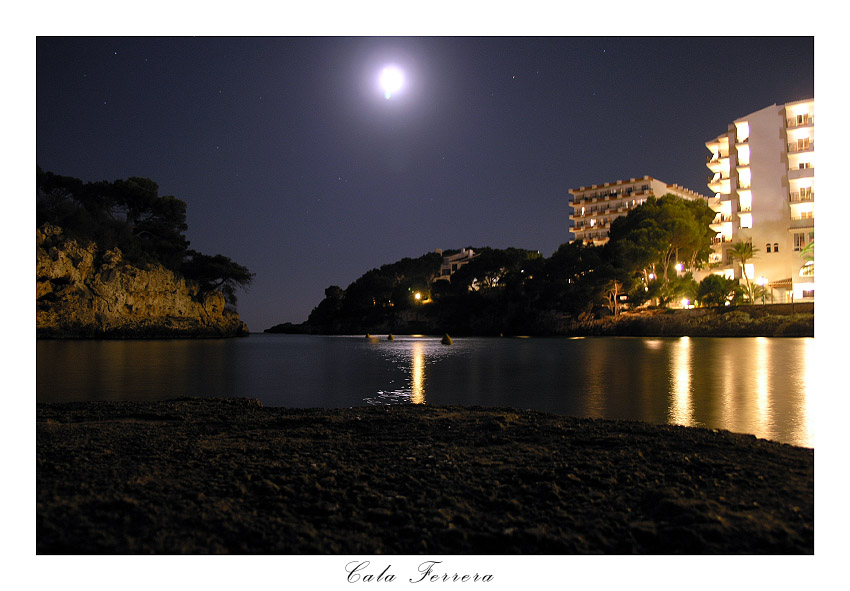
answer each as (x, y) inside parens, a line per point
(579, 291)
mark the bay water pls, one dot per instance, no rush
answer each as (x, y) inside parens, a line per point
(761, 386)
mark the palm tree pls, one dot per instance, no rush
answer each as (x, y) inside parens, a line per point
(744, 251)
(808, 254)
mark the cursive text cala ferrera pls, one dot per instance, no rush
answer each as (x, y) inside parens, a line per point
(427, 572)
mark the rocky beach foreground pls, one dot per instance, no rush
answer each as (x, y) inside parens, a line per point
(230, 476)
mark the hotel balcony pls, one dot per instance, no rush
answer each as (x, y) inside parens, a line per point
(715, 202)
(720, 185)
(718, 222)
(799, 223)
(801, 146)
(801, 173)
(801, 197)
(800, 121)
(719, 144)
(720, 240)
(718, 164)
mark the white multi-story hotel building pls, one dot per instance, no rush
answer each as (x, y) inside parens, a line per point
(595, 207)
(763, 180)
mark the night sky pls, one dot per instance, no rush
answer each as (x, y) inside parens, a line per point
(294, 164)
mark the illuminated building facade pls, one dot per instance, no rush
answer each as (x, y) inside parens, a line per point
(595, 207)
(452, 263)
(763, 181)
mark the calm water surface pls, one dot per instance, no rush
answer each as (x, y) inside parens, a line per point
(749, 385)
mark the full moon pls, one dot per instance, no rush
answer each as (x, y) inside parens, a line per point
(391, 80)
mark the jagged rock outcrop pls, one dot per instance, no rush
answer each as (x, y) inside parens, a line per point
(84, 292)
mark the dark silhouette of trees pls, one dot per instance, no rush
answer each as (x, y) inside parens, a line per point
(518, 291)
(132, 216)
(216, 273)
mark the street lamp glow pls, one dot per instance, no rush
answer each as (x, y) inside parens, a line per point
(418, 296)
(391, 80)
(679, 267)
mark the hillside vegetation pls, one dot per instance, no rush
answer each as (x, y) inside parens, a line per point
(646, 266)
(112, 260)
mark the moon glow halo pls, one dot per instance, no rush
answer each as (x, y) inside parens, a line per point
(391, 80)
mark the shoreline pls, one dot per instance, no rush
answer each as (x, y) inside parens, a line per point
(199, 476)
(774, 320)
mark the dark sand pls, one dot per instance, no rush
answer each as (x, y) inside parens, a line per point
(230, 476)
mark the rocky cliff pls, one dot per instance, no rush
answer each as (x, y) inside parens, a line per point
(84, 292)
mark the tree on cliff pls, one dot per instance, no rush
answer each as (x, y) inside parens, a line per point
(156, 223)
(217, 273)
(127, 214)
(132, 216)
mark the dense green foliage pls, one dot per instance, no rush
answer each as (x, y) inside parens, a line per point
(514, 290)
(716, 290)
(132, 216)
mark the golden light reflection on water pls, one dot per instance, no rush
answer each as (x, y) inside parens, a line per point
(761, 384)
(417, 373)
(726, 369)
(807, 409)
(766, 387)
(681, 407)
